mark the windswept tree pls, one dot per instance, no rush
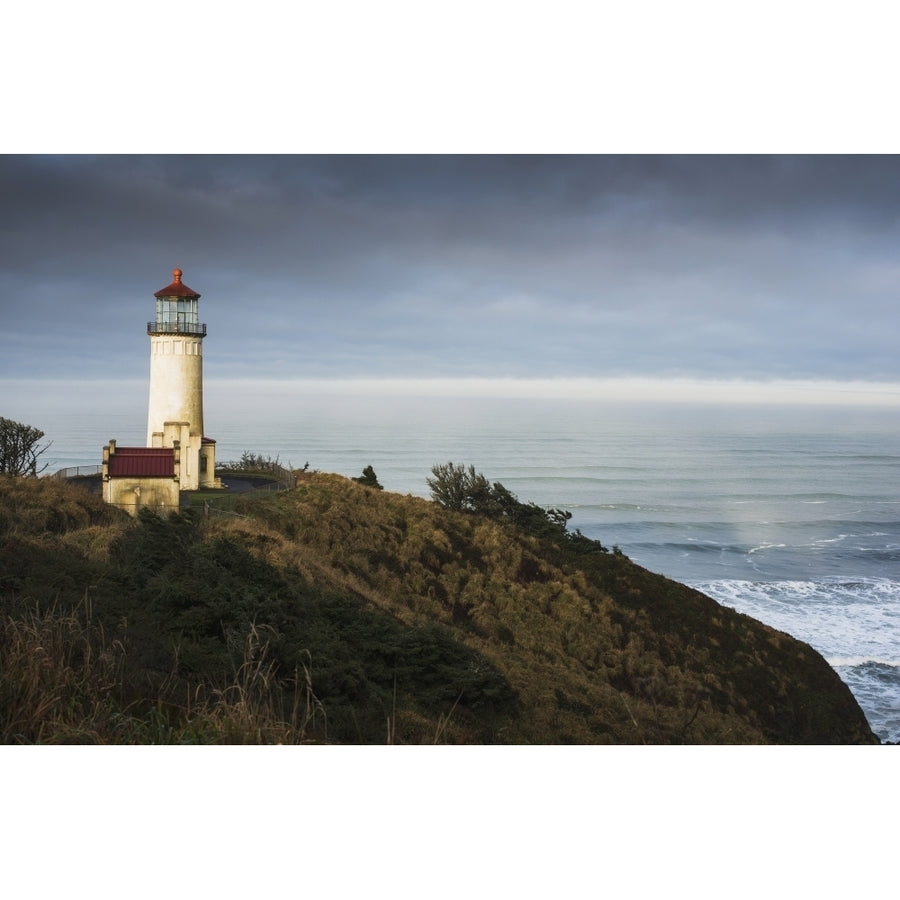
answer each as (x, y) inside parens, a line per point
(20, 447)
(455, 487)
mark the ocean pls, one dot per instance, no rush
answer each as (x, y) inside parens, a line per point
(790, 514)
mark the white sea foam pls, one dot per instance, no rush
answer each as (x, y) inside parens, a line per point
(855, 661)
(765, 547)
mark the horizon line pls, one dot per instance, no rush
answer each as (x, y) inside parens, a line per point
(617, 389)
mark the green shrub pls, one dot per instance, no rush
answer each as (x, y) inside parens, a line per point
(455, 487)
(369, 479)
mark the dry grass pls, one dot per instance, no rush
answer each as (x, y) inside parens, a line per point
(57, 677)
(251, 709)
(62, 681)
(36, 506)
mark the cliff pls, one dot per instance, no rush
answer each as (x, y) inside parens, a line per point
(336, 612)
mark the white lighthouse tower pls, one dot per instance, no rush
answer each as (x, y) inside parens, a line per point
(175, 417)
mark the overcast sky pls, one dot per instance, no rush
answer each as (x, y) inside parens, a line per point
(760, 267)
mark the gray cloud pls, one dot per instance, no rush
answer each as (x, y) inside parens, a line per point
(702, 266)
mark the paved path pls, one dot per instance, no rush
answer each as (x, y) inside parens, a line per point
(238, 485)
(231, 485)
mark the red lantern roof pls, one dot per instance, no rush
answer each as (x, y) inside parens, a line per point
(176, 288)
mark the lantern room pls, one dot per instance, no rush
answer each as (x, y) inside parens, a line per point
(177, 310)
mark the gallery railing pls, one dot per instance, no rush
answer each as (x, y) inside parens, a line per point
(176, 328)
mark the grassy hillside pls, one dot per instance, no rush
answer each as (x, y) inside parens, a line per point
(337, 612)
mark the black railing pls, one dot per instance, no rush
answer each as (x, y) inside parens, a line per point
(76, 472)
(176, 328)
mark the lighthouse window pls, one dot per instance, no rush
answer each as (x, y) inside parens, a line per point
(177, 314)
(166, 312)
(187, 312)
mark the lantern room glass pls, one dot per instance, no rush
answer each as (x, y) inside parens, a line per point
(177, 313)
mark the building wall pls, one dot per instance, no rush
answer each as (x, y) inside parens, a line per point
(176, 403)
(198, 459)
(208, 467)
(176, 384)
(134, 493)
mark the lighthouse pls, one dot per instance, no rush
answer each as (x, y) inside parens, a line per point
(175, 416)
(177, 457)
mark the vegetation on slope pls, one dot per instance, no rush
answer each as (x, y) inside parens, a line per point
(339, 612)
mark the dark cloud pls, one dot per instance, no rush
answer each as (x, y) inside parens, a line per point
(445, 265)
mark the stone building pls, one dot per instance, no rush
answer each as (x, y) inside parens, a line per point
(135, 477)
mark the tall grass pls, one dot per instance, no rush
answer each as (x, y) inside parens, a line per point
(64, 681)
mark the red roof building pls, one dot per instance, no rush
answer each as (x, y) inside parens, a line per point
(138, 477)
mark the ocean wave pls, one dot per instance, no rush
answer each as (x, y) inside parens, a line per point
(631, 507)
(856, 662)
(832, 540)
(884, 589)
(690, 545)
